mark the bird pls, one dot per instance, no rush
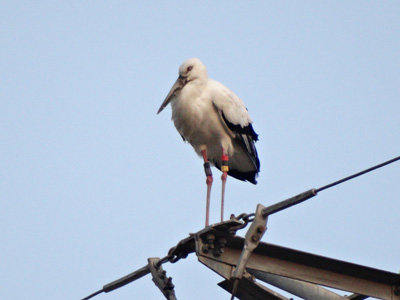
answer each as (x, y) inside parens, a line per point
(215, 121)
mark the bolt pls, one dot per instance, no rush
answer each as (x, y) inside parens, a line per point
(255, 238)
(210, 240)
(168, 284)
(217, 252)
(222, 242)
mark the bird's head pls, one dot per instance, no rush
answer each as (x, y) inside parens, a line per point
(190, 71)
(193, 69)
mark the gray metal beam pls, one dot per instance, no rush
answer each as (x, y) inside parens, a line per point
(299, 288)
(311, 268)
(250, 290)
(247, 289)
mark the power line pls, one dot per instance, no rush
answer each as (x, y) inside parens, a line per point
(357, 174)
(94, 294)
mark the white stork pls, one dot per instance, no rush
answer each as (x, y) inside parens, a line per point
(216, 123)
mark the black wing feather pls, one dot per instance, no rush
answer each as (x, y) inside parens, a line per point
(245, 136)
(247, 130)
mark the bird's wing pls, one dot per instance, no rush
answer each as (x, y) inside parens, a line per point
(236, 117)
(229, 103)
(232, 109)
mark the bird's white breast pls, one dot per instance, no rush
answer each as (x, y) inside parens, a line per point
(197, 120)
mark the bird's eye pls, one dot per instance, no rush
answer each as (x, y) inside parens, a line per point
(189, 68)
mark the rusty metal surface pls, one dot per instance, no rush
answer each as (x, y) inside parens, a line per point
(313, 268)
(320, 262)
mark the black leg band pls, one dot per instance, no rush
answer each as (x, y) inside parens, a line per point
(207, 169)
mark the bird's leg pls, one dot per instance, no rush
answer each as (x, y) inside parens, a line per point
(225, 170)
(209, 180)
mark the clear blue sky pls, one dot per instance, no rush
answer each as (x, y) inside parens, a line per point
(93, 182)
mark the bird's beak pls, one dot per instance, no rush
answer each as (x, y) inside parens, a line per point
(178, 85)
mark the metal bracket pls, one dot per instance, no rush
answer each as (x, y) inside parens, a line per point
(252, 239)
(160, 278)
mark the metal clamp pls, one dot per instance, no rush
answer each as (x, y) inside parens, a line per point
(252, 239)
(160, 278)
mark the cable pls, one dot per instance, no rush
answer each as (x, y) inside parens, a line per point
(313, 192)
(357, 174)
(94, 294)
